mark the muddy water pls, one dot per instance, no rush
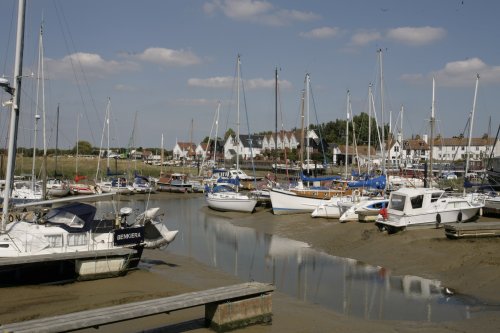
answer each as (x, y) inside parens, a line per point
(343, 285)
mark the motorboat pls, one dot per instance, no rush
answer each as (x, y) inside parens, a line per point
(367, 206)
(421, 207)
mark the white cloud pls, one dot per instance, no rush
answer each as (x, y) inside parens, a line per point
(123, 87)
(168, 57)
(213, 82)
(196, 102)
(460, 73)
(362, 38)
(463, 73)
(228, 82)
(257, 11)
(321, 33)
(416, 36)
(93, 65)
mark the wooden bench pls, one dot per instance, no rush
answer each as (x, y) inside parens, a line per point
(226, 308)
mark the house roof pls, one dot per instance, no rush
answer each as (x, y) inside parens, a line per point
(186, 146)
(455, 141)
(255, 140)
(415, 144)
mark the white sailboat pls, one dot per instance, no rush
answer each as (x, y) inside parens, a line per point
(232, 200)
(109, 184)
(66, 243)
(300, 198)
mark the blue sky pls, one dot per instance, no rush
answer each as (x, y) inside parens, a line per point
(172, 61)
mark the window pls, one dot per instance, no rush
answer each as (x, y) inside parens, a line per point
(416, 202)
(77, 239)
(463, 148)
(397, 202)
(435, 196)
(54, 240)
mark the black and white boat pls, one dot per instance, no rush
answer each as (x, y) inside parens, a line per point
(40, 244)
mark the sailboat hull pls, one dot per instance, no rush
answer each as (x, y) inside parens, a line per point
(231, 202)
(287, 202)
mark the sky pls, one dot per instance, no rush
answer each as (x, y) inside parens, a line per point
(165, 65)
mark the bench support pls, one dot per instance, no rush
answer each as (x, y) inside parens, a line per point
(225, 316)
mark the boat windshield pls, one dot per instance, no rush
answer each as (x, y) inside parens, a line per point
(397, 202)
(63, 217)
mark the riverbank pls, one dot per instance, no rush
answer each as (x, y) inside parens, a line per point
(468, 266)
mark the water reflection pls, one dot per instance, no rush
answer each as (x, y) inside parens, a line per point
(344, 285)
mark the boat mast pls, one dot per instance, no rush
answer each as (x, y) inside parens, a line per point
(57, 141)
(276, 121)
(402, 137)
(108, 112)
(370, 98)
(238, 116)
(162, 156)
(14, 115)
(307, 121)
(347, 135)
(302, 136)
(216, 133)
(382, 144)
(470, 128)
(433, 110)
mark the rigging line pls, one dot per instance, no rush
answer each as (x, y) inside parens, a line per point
(63, 23)
(248, 129)
(318, 126)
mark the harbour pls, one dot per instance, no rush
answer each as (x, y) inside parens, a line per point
(216, 249)
(248, 254)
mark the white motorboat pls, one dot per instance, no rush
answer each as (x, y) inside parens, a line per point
(332, 208)
(142, 184)
(431, 207)
(369, 210)
(370, 205)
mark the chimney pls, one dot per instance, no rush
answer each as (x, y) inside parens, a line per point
(425, 138)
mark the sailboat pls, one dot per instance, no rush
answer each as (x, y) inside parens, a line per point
(301, 198)
(111, 184)
(220, 198)
(66, 243)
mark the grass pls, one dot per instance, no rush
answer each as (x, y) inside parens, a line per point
(87, 166)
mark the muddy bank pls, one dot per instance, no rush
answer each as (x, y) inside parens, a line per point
(469, 266)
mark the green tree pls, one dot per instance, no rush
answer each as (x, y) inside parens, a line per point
(84, 148)
(228, 133)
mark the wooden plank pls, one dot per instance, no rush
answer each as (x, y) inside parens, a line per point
(472, 230)
(112, 314)
(65, 256)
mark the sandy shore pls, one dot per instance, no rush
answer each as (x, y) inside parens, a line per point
(468, 266)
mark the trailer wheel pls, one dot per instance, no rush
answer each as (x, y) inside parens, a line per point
(438, 220)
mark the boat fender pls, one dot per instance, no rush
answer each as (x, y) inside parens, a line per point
(459, 217)
(355, 194)
(438, 220)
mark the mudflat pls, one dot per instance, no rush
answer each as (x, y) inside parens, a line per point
(468, 266)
